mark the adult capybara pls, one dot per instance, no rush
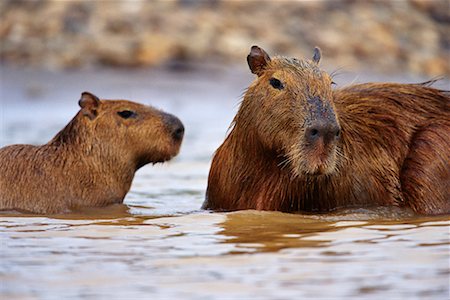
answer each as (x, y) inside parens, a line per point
(92, 161)
(297, 145)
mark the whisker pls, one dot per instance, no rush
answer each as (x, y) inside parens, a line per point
(339, 71)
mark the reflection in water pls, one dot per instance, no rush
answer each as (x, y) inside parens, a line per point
(160, 245)
(253, 231)
(272, 231)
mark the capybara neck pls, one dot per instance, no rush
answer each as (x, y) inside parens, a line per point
(78, 144)
(78, 139)
(75, 134)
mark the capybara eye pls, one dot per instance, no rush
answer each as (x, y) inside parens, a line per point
(276, 83)
(126, 114)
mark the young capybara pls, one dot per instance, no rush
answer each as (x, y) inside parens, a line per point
(92, 161)
(298, 145)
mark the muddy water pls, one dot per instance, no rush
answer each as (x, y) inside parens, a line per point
(159, 245)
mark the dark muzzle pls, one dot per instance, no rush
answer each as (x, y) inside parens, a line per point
(321, 129)
(322, 122)
(175, 126)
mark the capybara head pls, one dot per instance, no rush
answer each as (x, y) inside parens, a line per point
(136, 132)
(290, 109)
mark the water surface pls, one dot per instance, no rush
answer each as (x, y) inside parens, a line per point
(160, 245)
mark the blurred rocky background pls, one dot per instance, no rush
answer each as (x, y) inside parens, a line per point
(398, 36)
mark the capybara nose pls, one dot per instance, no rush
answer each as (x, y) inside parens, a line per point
(178, 133)
(321, 130)
(175, 126)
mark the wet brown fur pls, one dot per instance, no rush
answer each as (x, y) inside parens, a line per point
(91, 162)
(394, 148)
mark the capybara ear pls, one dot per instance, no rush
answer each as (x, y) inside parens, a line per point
(257, 60)
(89, 104)
(317, 55)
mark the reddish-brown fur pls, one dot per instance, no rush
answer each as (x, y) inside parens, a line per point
(393, 148)
(92, 161)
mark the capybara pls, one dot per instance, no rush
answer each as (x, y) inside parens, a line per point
(297, 145)
(92, 161)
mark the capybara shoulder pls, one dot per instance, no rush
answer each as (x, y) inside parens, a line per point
(298, 145)
(91, 161)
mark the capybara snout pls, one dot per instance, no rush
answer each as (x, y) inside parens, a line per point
(321, 122)
(92, 161)
(175, 127)
(320, 130)
(322, 136)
